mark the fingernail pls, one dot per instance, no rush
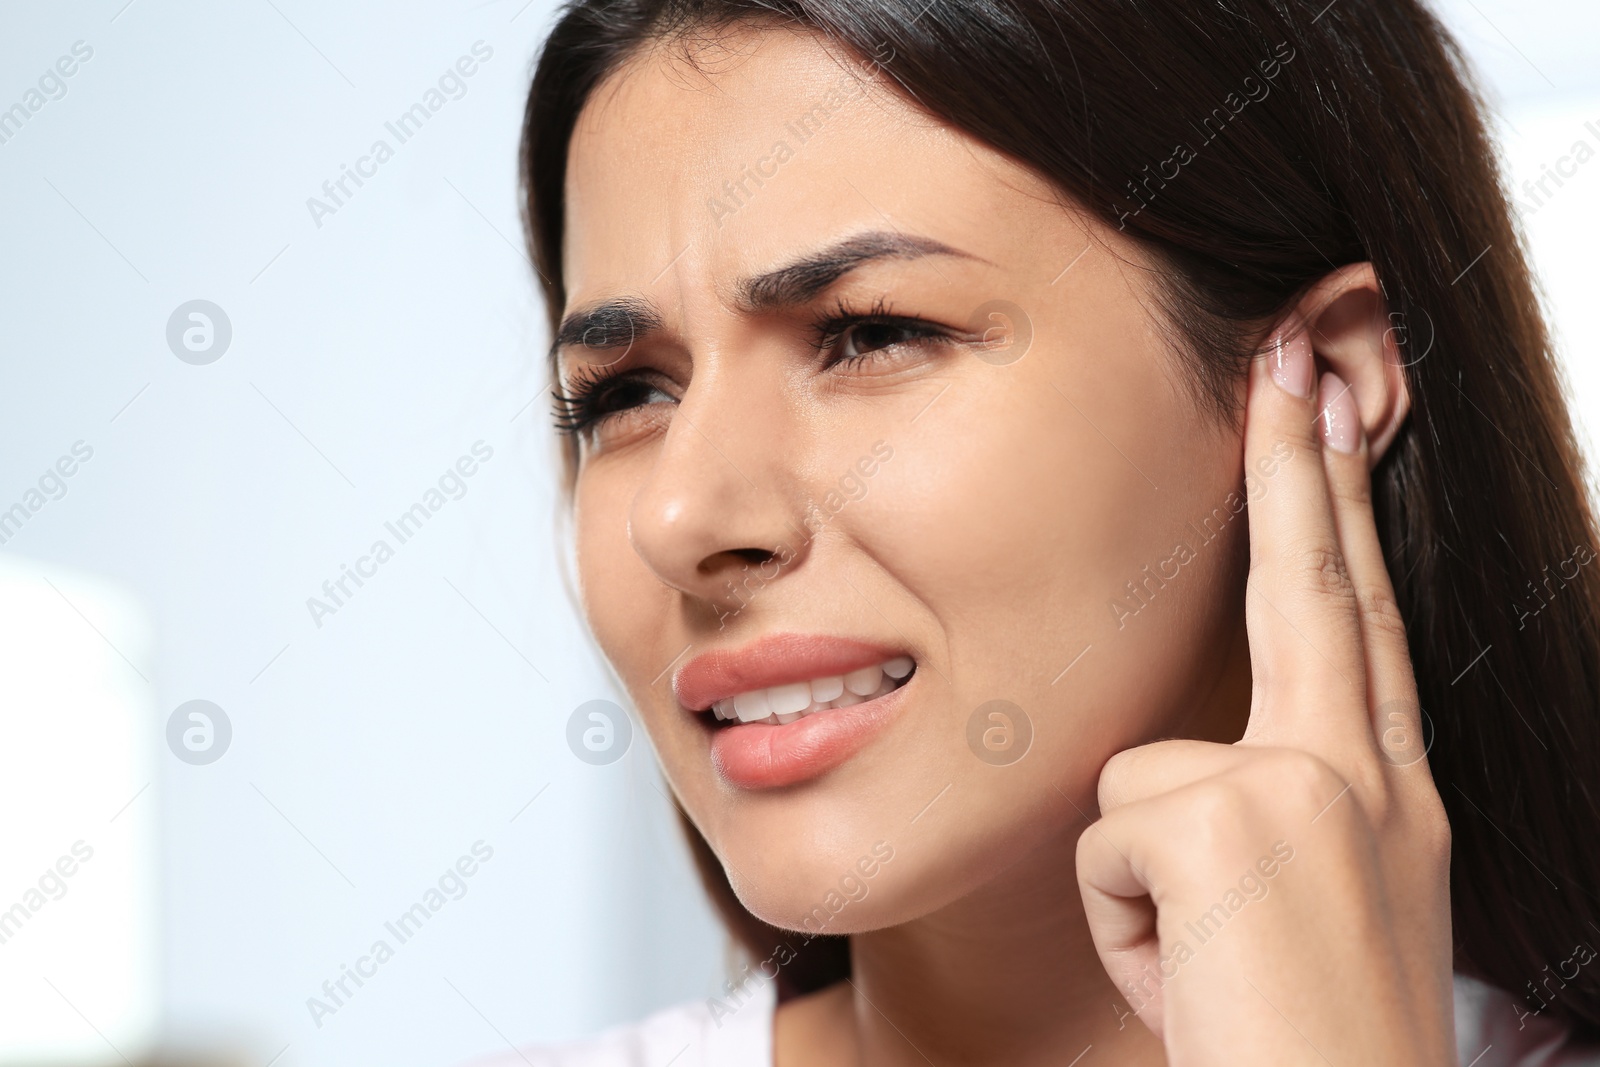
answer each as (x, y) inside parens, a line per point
(1340, 420)
(1292, 365)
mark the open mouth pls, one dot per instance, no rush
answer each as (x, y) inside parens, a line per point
(782, 704)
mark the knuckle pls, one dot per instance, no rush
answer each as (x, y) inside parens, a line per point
(1221, 809)
(1300, 781)
(1321, 566)
(1381, 612)
(1293, 772)
(1301, 436)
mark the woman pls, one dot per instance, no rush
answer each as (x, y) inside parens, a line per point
(1079, 495)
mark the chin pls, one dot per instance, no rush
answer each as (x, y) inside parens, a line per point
(839, 868)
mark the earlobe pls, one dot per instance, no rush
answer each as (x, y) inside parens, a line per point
(1353, 335)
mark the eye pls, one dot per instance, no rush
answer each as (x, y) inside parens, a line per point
(592, 399)
(874, 335)
(852, 339)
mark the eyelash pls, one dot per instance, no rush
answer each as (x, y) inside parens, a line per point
(577, 404)
(829, 330)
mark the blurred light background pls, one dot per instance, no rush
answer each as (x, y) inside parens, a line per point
(354, 360)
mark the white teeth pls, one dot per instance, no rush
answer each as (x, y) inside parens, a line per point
(789, 699)
(826, 689)
(753, 705)
(795, 700)
(865, 681)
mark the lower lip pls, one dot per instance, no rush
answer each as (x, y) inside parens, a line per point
(761, 756)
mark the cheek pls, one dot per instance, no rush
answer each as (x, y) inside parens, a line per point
(1014, 538)
(1021, 535)
(1019, 531)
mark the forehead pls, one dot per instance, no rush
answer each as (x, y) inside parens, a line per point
(725, 154)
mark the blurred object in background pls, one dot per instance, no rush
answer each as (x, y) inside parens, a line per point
(78, 977)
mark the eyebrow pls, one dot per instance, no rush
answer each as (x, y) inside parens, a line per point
(619, 322)
(613, 323)
(802, 280)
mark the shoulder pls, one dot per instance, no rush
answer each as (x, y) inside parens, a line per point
(1498, 1029)
(717, 1032)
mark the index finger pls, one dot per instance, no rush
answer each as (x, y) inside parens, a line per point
(1306, 658)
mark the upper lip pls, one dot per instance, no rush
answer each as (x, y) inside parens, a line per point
(776, 659)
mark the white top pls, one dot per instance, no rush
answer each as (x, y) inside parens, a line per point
(1493, 1029)
(727, 1032)
(1496, 1029)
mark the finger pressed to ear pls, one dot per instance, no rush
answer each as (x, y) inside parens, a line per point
(1306, 651)
(1391, 685)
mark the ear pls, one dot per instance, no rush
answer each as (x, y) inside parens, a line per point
(1352, 335)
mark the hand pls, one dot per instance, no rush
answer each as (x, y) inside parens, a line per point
(1285, 899)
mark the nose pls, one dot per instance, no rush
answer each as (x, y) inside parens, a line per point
(720, 515)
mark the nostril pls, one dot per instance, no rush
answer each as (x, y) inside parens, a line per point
(750, 557)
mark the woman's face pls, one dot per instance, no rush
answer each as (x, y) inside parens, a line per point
(863, 391)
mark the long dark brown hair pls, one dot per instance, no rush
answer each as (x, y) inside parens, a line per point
(1253, 146)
